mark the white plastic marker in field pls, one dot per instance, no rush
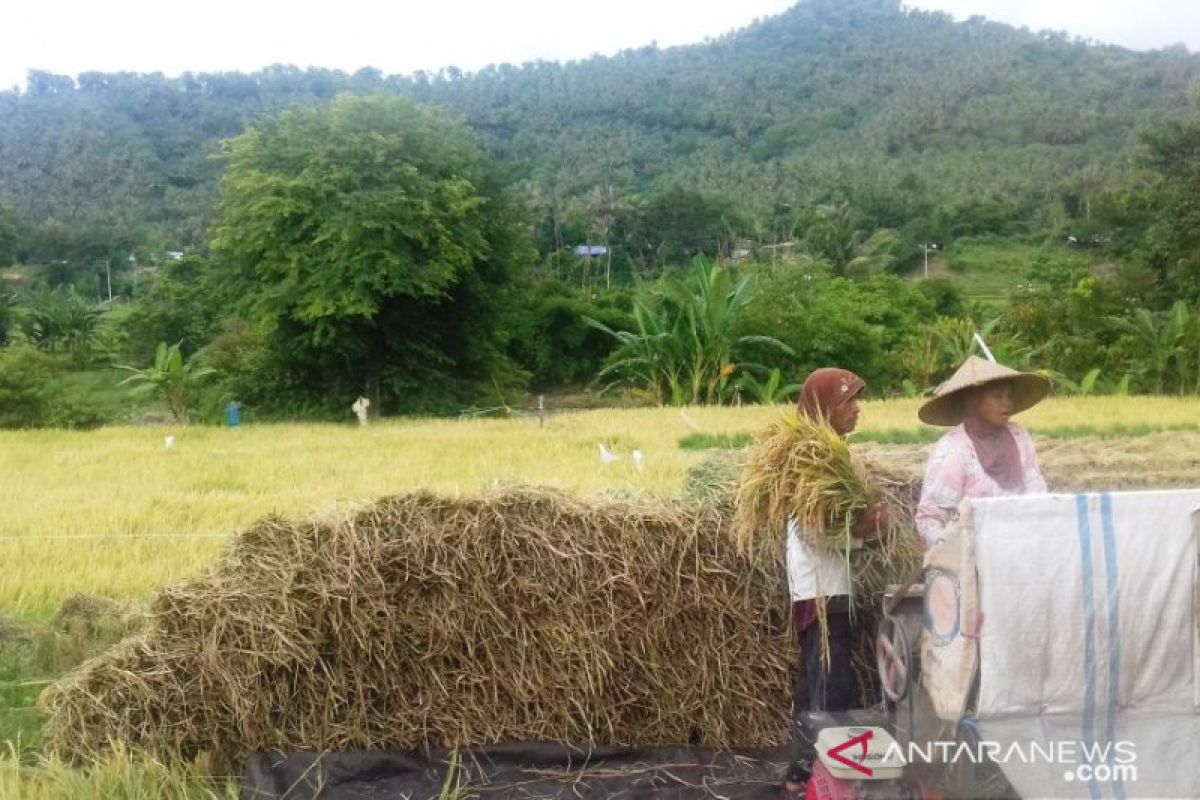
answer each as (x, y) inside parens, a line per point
(639, 460)
(168, 442)
(607, 456)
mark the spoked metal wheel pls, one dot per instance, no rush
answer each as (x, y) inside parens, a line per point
(894, 658)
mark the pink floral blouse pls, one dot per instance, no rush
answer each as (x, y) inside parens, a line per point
(954, 472)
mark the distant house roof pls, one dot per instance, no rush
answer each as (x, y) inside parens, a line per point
(591, 250)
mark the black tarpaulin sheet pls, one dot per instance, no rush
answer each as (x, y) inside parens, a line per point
(518, 771)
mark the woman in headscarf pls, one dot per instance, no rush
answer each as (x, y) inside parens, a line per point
(984, 454)
(819, 577)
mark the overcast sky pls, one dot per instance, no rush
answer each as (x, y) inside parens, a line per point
(401, 36)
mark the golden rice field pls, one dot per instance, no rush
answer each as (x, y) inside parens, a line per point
(114, 512)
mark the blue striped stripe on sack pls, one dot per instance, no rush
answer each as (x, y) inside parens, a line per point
(1114, 632)
(1088, 733)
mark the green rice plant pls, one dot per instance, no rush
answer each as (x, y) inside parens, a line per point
(118, 776)
(716, 441)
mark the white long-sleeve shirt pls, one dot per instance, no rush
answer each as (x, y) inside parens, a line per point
(814, 572)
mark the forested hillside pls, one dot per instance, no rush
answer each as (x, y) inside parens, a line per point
(921, 124)
(752, 208)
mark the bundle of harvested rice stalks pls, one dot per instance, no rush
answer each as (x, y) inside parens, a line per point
(897, 554)
(426, 621)
(802, 470)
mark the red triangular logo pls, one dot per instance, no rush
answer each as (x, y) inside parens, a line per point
(836, 753)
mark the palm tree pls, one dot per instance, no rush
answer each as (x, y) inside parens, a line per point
(849, 250)
(62, 315)
(8, 307)
(81, 322)
(835, 237)
(45, 317)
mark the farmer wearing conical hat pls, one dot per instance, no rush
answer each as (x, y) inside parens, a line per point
(983, 454)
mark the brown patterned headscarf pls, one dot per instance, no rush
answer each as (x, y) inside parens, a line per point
(826, 389)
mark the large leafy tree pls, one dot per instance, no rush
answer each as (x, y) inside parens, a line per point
(176, 306)
(372, 237)
(1172, 242)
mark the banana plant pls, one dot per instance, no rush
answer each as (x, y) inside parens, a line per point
(1166, 357)
(170, 378)
(686, 348)
(769, 392)
(1087, 385)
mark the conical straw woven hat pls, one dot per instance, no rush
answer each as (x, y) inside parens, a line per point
(946, 407)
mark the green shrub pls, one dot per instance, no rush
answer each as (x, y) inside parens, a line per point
(550, 340)
(828, 321)
(41, 390)
(76, 411)
(27, 392)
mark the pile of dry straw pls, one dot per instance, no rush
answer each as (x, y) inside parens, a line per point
(427, 621)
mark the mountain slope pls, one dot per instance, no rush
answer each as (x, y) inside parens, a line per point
(901, 112)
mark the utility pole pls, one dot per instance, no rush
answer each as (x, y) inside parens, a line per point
(108, 275)
(927, 248)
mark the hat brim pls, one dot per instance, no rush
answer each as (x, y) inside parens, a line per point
(1028, 390)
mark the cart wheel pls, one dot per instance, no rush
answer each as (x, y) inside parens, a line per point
(894, 658)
